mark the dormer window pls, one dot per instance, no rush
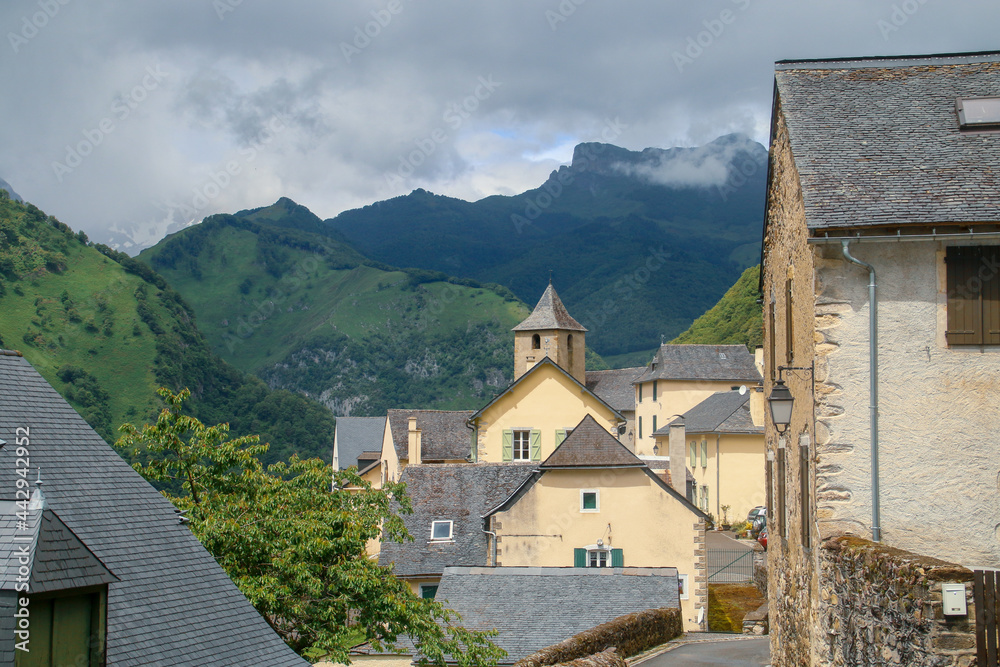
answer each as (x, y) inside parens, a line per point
(978, 113)
(441, 531)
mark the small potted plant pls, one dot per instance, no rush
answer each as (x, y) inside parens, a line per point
(725, 517)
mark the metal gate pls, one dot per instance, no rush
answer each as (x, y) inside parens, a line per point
(984, 594)
(730, 566)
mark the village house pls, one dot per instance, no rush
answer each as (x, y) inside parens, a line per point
(724, 436)
(881, 298)
(115, 577)
(681, 376)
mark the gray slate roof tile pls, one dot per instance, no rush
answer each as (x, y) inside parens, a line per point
(536, 607)
(722, 412)
(173, 604)
(588, 446)
(549, 313)
(461, 493)
(701, 362)
(444, 435)
(356, 435)
(614, 387)
(876, 142)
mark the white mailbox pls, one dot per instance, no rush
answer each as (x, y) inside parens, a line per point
(953, 599)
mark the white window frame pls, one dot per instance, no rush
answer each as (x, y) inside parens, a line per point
(684, 581)
(451, 527)
(523, 435)
(597, 500)
(597, 552)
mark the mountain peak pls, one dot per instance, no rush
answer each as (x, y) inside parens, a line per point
(4, 185)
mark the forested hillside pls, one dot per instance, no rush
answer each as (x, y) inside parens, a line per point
(106, 331)
(737, 318)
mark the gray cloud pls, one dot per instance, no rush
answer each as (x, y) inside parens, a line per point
(360, 90)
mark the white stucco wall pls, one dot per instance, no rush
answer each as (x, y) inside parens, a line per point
(939, 408)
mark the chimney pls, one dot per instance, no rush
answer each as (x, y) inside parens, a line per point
(678, 468)
(758, 359)
(413, 439)
(757, 405)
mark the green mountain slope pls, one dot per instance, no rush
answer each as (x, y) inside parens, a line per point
(640, 243)
(279, 294)
(106, 331)
(736, 318)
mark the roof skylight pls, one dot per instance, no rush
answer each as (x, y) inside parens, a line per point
(975, 113)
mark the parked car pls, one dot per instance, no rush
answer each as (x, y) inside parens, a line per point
(762, 539)
(759, 524)
(760, 510)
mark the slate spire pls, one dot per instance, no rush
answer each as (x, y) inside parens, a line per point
(549, 313)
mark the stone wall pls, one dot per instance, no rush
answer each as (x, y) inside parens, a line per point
(629, 634)
(882, 607)
(609, 658)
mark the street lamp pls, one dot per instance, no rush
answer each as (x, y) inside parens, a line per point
(781, 402)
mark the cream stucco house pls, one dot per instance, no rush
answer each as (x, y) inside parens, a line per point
(880, 283)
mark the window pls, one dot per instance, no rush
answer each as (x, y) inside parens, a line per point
(428, 591)
(640, 392)
(804, 489)
(789, 329)
(654, 390)
(522, 444)
(598, 555)
(704, 498)
(640, 424)
(597, 558)
(654, 424)
(441, 530)
(682, 586)
(973, 295)
(590, 500)
(66, 629)
(978, 113)
(536, 342)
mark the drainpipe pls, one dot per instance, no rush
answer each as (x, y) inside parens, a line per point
(873, 388)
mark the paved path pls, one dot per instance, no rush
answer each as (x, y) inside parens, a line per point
(711, 651)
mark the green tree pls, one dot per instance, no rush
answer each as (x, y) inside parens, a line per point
(295, 546)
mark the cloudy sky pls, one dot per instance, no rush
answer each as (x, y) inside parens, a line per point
(127, 117)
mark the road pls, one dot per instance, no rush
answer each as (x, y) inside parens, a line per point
(731, 650)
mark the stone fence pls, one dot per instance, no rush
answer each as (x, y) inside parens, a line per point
(629, 634)
(882, 607)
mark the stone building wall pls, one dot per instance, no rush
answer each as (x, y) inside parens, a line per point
(882, 607)
(792, 556)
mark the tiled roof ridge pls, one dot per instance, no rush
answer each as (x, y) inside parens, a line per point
(549, 313)
(891, 61)
(10, 353)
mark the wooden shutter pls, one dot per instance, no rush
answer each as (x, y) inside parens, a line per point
(965, 308)
(704, 453)
(560, 436)
(508, 444)
(617, 558)
(640, 427)
(579, 558)
(640, 392)
(772, 360)
(536, 445)
(654, 425)
(654, 390)
(694, 454)
(473, 446)
(988, 272)
(789, 324)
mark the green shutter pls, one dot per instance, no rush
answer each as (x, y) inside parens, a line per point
(508, 444)
(694, 454)
(640, 392)
(473, 446)
(617, 558)
(640, 427)
(579, 558)
(560, 436)
(536, 445)
(704, 453)
(654, 390)
(654, 424)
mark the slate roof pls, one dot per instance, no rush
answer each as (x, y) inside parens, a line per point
(614, 387)
(722, 412)
(590, 446)
(173, 604)
(356, 435)
(461, 493)
(536, 607)
(443, 433)
(701, 362)
(534, 369)
(58, 559)
(549, 313)
(876, 141)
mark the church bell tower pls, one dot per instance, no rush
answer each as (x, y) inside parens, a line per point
(550, 332)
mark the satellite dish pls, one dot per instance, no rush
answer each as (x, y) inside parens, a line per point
(743, 390)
